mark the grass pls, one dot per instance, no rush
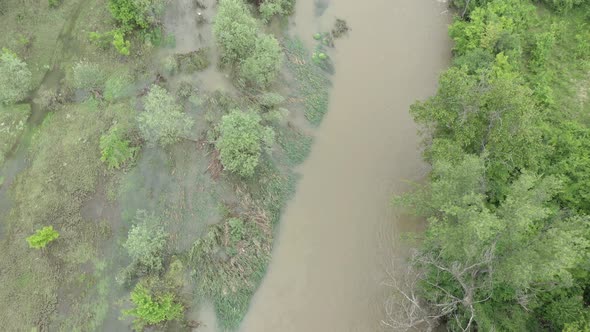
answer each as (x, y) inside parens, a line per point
(66, 286)
(567, 65)
(312, 82)
(63, 173)
(12, 124)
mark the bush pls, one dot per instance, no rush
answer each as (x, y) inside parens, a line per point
(240, 141)
(88, 76)
(235, 30)
(163, 120)
(151, 310)
(115, 150)
(270, 8)
(121, 45)
(15, 78)
(261, 68)
(117, 86)
(133, 14)
(42, 237)
(146, 242)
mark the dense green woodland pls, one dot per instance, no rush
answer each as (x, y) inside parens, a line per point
(507, 246)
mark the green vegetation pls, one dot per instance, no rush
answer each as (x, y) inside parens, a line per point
(270, 8)
(507, 242)
(311, 81)
(240, 142)
(151, 310)
(12, 124)
(113, 136)
(163, 121)
(146, 242)
(42, 237)
(15, 78)
(115, 150)
(256, 55)
(262, 67)
(88, 76)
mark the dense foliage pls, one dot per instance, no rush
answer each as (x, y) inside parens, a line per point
(42, 237)
(151, 310)
(15, 78)
(146, 242)
(241, 139)
(508, 239)
(163, 121)
(114, 149)
(257, 56)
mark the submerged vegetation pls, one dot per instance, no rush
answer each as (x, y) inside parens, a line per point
(508, 239)
(164, 190)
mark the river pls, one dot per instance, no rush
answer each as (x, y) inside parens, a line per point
(339, 233)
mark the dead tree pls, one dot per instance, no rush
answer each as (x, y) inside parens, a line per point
(407, 311)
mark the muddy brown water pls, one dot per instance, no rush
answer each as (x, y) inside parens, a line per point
(339, 234)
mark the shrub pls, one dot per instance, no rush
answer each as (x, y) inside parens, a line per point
(163, 120)
(240, 141)
(117, 86)
(15, 78)
(132, 14)
(115, 150)
(270, 8)
(146, 242)
(121, 45)
(150, 309)
(235, 30)
(262, 67)
(42, 237)
(88, 76)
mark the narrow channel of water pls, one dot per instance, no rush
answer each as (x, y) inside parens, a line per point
(339, 233)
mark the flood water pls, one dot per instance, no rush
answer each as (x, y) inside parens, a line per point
(339, 234)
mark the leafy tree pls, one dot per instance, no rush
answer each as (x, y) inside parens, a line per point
(15, 78)
(240, 142)
(478, 112)
(478, 259)
(235, 30)
(146, 242)
(150, 309)
(121, 45)
(133, 14)
(115, 150)
(163, 120)
(489, 23)
(42, 237)
(270, 8)
(261, 68)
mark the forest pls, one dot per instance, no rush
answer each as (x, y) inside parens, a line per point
(507, 199)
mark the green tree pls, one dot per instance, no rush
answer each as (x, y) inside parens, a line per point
(146, 242)
(115, 150)
(489, 23)
(263, 65)
(15, 78)
(477, 260)
(152, 310)
(235, 30)
(42, 237)
(477, 113)
(163, 120)
(270, 8)
(240, 142)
